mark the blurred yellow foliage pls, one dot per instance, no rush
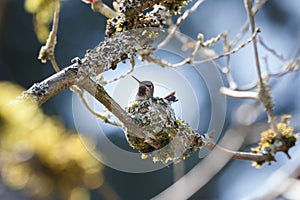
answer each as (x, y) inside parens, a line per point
(39, 156)
(42, 11)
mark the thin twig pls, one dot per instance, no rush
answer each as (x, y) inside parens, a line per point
(258, 5)
(248, 5)
(264, 94)
(51, 44)
(54, 35)
(145, 54)
(102, 117)
(197, 46)
(227, 69)
(277, 55)
(265, 58)
(179, 21)
(47, 51)
(132, 64)
(288, 67)
(233, 51)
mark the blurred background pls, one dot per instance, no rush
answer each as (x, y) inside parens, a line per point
(81, 29)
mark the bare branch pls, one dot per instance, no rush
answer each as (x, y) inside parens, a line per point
(277, 55)
(263, 89)
(257, 6)
(238, 94)
(180, 20)
(54, 35)
(146, 55)
(248, 5)
(233, 51)
(238, 155)
(287, 67)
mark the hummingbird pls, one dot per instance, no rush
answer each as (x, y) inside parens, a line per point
(160, 125)
(146, 91)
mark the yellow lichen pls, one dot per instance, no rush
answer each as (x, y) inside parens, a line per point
(271, 142)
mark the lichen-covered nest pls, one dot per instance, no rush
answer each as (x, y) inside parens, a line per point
(158, 120)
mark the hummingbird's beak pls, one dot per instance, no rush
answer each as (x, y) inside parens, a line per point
(136, 79)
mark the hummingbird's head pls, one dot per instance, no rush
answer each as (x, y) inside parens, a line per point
(145, 91)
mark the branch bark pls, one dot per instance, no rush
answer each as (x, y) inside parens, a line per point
(40, 92)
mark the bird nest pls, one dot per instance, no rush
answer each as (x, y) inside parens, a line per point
(157, 119)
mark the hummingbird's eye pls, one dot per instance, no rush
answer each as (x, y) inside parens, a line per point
(149, 85)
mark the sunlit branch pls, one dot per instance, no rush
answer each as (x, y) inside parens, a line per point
(99, 6)
(238, 94)
(44, 90)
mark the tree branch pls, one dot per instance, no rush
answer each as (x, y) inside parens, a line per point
(238, 155)
(41, 92)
